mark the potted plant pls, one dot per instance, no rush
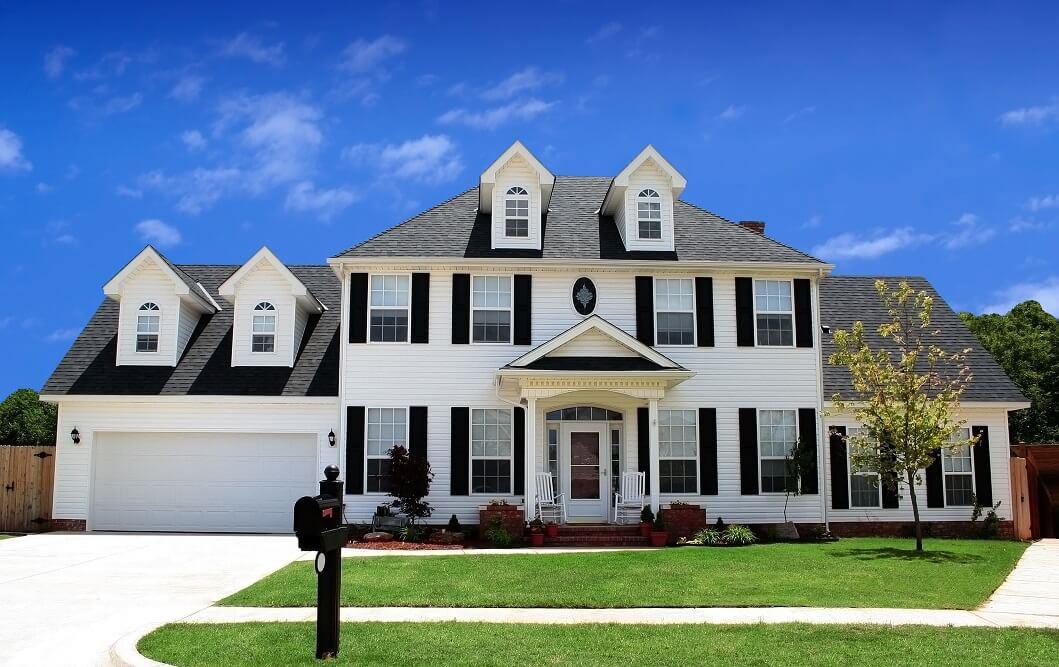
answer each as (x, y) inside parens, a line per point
(551, 529)
(536, 533)
(647, 518)
(659, 536)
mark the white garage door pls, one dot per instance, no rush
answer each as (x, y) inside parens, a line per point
(213, 482)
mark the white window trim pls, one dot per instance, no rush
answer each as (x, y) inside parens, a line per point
(945, 475)
(157, 312)
(850, 473)
(471, 458)
(661, 215)
(368, 457)
(698, 481)
(694, 315)
(794, 323)
(510, 309)
(408, 309)
(508, 196)
(274, 314)
(757, 437)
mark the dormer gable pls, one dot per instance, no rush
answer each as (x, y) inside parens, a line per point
(271, 308)
(515, 191)
(641, 199)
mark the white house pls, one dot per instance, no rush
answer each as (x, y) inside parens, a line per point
(582, 326)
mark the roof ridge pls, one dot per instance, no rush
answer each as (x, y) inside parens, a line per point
(737, 225)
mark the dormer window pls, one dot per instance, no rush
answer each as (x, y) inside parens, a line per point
(516, 212)
(264, 328)
(148, 319)
(649, 214)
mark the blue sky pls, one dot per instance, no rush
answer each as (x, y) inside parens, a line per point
(915, 138)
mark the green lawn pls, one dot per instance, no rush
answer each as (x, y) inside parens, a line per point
(4, 536)
(499, 644)
(868, 572)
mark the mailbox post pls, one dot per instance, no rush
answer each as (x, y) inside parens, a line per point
(319, 527)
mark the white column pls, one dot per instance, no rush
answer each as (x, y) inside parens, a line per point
(652, 452)
(531, 458)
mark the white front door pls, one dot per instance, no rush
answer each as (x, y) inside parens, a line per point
(585, 467)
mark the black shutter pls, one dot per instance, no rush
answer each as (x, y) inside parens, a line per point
(708, 451)
(645, 310)
(420, 308)
(461, 308)
(518, 477)
(839, 469)
(748, 478)
(417, 430)
(803, 313)
(889, 481)
(460, 464)
(935, 483)
(355, 449)
(704, 311)
(523, 296)
(983, 477)
(744, 312)
(807, 435)
(643, 445)
(358, 308)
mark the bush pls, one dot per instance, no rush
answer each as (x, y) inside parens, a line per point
(498, 536)
(25, 420)
(410, 478)
(659, 524)
(708, 537)
(414, 533)
(454, 525)
(737, 535)
(647, 516)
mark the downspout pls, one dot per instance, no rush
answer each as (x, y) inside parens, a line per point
(821, 459)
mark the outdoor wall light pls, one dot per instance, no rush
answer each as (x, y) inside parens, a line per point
(331, 438)
(75, 435)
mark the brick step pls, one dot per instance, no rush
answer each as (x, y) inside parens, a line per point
(597, 541)
(574, 529)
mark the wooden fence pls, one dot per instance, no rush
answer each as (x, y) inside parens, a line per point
(26, 476)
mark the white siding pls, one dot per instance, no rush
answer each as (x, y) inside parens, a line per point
(517, 172)
(189, 319)
(148, 283)
(592, 344)
(300, 320)
(264, 283)
(648, 175)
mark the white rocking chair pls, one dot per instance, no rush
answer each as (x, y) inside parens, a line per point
(628, 502)
(548, 501)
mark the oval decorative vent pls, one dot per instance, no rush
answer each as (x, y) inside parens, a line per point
(584, 296)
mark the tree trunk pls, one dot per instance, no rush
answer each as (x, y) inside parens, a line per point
(915, 509)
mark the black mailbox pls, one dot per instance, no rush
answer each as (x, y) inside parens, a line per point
(315, 517)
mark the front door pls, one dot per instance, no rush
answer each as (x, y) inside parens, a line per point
(586, 471)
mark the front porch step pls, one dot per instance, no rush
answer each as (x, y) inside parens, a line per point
(598, 529)
(597, 541)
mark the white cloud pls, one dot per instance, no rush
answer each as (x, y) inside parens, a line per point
(852, 246)
(55, 61)
(196, 190)
(126, 191)
(362, 56)
(1020, 224)
(158, 233)
(605, 31)
(11, 152)
(193, 140)
(971, 232)
(62, 335)
(1033, 116)
(804, 111)
(429, 159)
(1037, 204)
(251, 47)
(58, 232)
(523, 81)
(1045, 292)
(187, 88)
(523, 110)
(121, 104)
(44, 188)
(731, 113)
(813, 222)
(326, 204)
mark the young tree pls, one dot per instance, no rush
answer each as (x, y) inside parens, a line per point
(906, 393)
(410, 478)
(25, 420)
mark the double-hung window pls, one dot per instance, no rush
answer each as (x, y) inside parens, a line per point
(263, 337)
(649, 214)
(491, 451)
(516, 213)
(774, 311)
(674, 311)
(389, 308)
(777, 434)
(491, 309)
(958, 468)
(148, 320)
(678, 461)
(387, 428)
(865, 489)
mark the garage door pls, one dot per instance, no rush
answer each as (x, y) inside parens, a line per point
(187, 482)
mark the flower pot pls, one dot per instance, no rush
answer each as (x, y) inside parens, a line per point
(645, 529)
(658, 538)
(536, 539)
(551, 530)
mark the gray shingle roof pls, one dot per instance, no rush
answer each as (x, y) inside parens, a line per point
(573, 229)
(846, 299)
(205, 367)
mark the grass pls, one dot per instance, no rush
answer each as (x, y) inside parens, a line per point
(4, 536)
(501, 644)
(867, 572)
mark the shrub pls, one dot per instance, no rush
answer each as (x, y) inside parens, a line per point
(647, 516)
(720, 525)
(414, 533)
(454, 525)
(659, 524)
(708, 537)
(737, 535)
(410, 478)
(498, 536)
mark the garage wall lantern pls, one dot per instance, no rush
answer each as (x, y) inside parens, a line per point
(331, 438)
(75, 435)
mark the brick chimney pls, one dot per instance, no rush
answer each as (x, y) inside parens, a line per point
(753, 225)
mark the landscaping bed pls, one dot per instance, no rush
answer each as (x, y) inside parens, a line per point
(404, 546)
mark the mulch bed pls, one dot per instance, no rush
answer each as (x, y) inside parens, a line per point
(404, 546)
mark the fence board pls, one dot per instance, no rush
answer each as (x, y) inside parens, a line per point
(26, 488)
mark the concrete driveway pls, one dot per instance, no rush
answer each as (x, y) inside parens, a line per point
(65, 598)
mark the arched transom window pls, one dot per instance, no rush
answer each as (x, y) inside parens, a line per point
(264, 328)
(649, 214)
(148, 320)
(516, 212)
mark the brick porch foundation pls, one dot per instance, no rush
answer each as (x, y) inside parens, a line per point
(907, 529)
(76, 525)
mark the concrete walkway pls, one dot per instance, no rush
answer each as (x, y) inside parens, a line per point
(1033, 586)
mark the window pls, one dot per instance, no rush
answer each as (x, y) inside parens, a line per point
(677, 451)
(958, 469)
(147, 323)
(386, 429)
(674, 311)
(775, 315)
(864, 487)
(491, 309)
(389, 309)
(516, 212)
(777, 433)
(649, 214)
(264, 333)
(491, 451)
